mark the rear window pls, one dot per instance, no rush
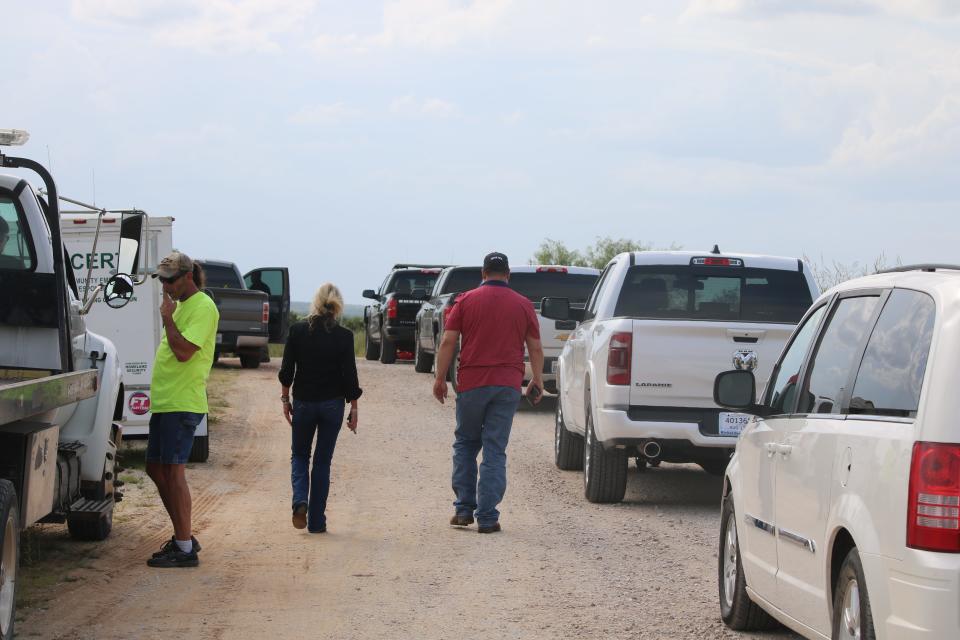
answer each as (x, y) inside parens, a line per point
(714, 293)
(536, 286)
(220, 277)
(412, 281)
(462, 280)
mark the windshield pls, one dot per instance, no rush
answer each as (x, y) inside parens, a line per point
(416, 282)
(536, 286)
(714, 293)
(461, 280)
(221, 277)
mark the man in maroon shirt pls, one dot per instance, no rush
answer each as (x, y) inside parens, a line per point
(493, 323)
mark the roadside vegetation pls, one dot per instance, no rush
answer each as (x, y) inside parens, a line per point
(354, 323)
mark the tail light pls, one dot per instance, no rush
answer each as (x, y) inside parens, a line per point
(618, 358)
(551, 269)
(933, 514)
(392, 308)
(266, 312)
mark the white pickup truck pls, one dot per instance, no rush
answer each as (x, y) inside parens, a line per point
(536, 282)
(636, 376)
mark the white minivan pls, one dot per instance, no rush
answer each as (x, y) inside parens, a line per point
(841, 505)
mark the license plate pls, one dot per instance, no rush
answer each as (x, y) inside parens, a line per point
(219, 338)
(553, 367)
(731, 424)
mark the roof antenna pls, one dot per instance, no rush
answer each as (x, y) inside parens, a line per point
(716, 249)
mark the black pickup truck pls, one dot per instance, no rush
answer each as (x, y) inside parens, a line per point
(429, 328)
(389, 322)
(254, 309)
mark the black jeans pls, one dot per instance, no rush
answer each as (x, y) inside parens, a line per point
(322, 419)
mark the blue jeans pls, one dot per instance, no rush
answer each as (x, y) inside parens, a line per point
(484, 418)
(311, 487)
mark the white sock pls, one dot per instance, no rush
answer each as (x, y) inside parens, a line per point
(185, 545)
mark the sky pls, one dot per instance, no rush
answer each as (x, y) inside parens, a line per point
(337, 138)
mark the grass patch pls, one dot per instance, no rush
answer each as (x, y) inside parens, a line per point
(355, 325)
(217, 386)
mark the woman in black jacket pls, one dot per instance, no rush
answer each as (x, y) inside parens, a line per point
(318, 360)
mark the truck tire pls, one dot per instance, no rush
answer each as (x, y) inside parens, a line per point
(852, 616)
(388, 350)
(371, 349)
(201, 449)
(604, 470)
(9, 557)
(716, 467)
(250, 360)
(452, 372)
(567, 447)
(737, 610)
(422, 362)
(90, 527)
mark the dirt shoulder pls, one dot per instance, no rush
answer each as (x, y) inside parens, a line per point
(390, 565)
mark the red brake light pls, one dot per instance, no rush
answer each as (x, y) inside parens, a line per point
(551, 269)
(79, 221)
(392, 308)
(266, 312)
(109, 220)
(933, 513)
(618, 358)
(717, 262)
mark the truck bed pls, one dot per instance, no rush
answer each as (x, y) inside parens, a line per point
(22, 398)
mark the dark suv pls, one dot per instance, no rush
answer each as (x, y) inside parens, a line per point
(390, 321)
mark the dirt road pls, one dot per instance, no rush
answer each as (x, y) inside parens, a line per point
(390, 566)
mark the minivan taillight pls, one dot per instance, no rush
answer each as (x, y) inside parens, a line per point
(266, 312)
(392, 308)
(618, 358)
(933, 514)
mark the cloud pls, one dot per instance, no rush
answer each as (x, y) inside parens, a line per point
(215, 26)
(323, 114)
(410, 105)
(752, 9)
(429, 24)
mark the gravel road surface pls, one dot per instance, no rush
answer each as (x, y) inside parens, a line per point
(391, 566)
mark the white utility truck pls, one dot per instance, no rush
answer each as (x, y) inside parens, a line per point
(136, 329)
(60, 384)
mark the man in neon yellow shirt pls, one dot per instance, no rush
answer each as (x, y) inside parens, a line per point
(179, 397)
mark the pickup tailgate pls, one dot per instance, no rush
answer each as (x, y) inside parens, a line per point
(674, 363)
(241, 311)
(407, 308)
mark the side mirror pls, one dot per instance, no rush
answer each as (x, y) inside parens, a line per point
(118, 291)
(555, 308)
(131, 240)
(370, 293)
(735, 389)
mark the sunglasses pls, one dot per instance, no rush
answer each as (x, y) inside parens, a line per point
(171, 279)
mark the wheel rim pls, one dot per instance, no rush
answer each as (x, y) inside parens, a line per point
(730, 561)
(850, 614)
(8, 575)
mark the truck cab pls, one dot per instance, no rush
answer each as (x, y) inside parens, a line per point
(59, 382)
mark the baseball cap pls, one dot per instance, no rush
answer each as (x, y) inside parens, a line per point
(174, 264)
(496, 262)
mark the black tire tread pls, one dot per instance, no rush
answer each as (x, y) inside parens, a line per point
(422, 362)
(200, 451)
(250, 360)
(8, 504)
(569, 457)
(853, 563)
(745, 615)
(371, 349)
(608, 471)
(388, 350)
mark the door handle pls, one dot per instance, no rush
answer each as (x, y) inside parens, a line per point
(785, 450)
(771, 448)
(597, 330)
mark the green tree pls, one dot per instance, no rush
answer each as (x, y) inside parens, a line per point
(555, 252)
(604, 249)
